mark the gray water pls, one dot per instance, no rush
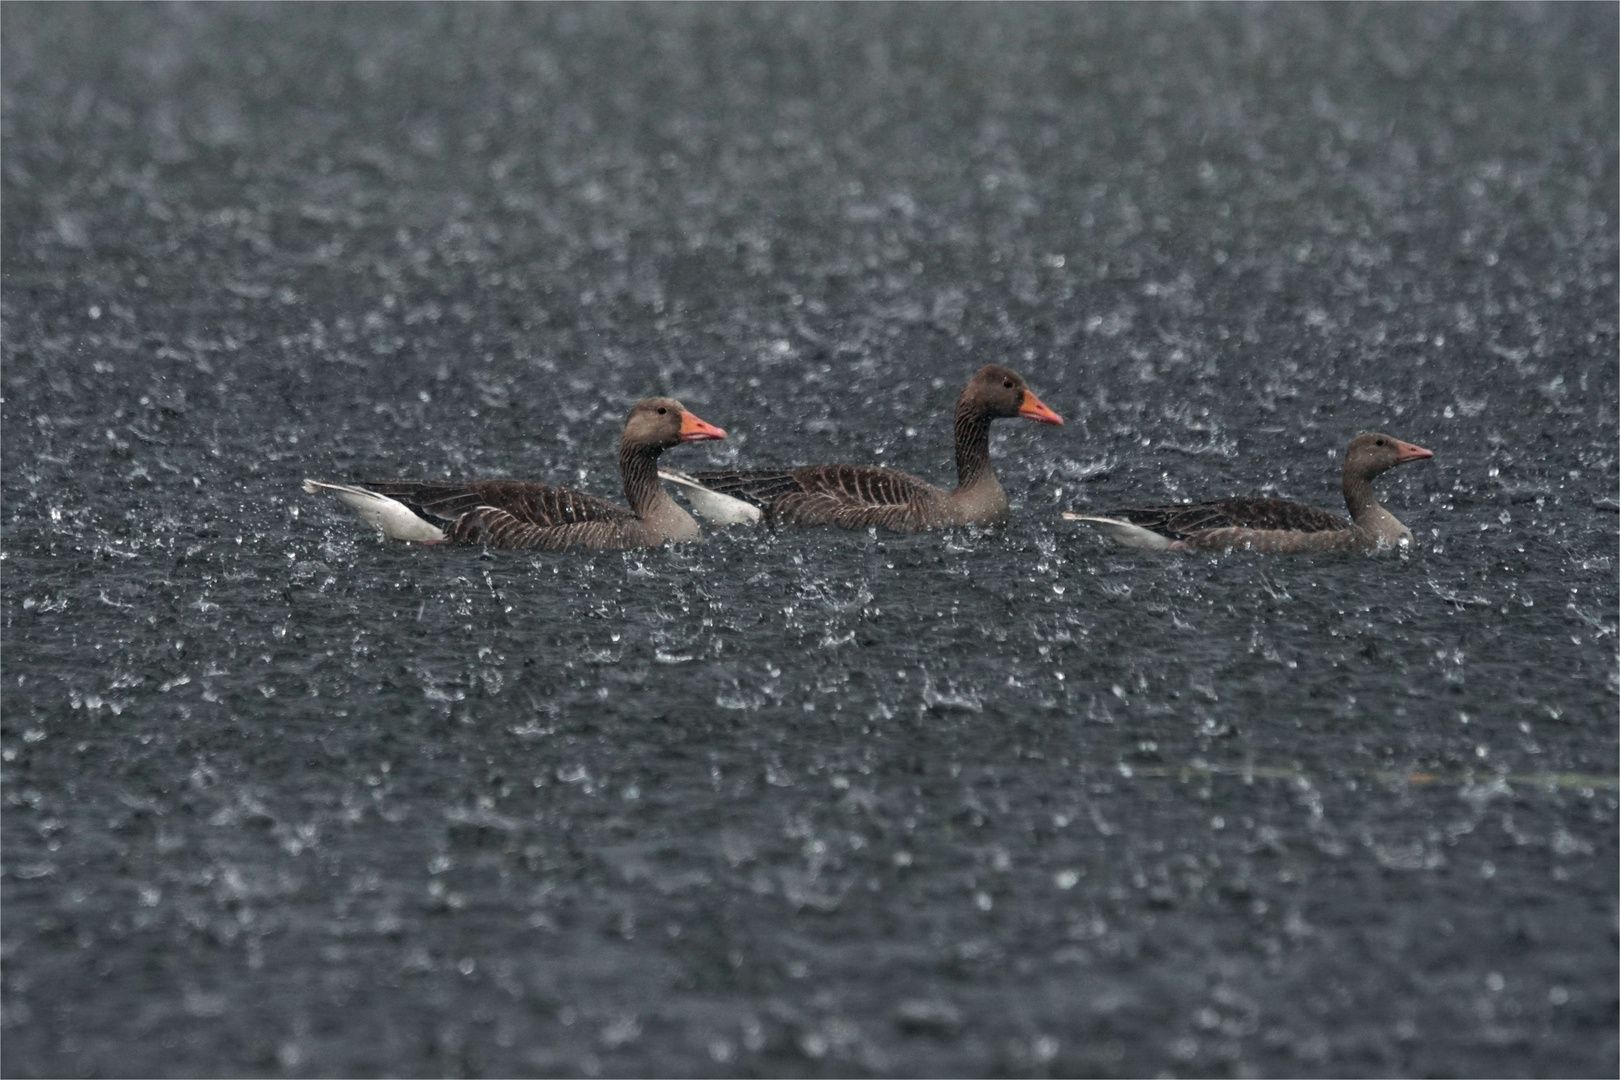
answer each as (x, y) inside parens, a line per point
(282, 799)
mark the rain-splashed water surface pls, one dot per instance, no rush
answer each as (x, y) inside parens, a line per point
(282, 798)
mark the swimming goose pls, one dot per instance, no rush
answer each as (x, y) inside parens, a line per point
(1275, 525)
(516, 514)
(858, 496)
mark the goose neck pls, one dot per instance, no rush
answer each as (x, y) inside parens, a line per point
(972, 431)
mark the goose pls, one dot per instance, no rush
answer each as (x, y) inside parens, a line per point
(517, 514)
(1276, 526)
(860, 496)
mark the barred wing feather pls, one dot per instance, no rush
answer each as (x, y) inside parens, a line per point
(539, 505)
(860, 485)
(1181, 522)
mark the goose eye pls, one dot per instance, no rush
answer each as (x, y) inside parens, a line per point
(1380, 441)
(662, 411)
(1008, 384)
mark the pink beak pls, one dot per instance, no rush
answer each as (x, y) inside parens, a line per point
(695, 430)
(1405, 451)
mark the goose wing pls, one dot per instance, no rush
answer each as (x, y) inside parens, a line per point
(846, 496)
(851, 485)
(537, 505)
(1181, 522)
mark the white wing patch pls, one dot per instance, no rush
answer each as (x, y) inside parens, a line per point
(388, 516)
(1123, 532)
(711, 505)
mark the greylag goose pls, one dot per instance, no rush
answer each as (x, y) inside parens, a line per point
(858, 496)
(1275, 525)
(515, 514)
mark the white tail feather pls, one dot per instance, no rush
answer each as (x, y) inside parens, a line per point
(711, 505)
(1123, 533)
(388, 516)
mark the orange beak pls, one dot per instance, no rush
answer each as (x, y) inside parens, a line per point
(695, 430)
(1405, 451)
(1031, 408)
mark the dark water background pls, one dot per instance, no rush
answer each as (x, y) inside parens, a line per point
(281, 799)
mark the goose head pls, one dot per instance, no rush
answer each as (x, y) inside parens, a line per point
(998, 391)
(1372, 453)
(661, 422)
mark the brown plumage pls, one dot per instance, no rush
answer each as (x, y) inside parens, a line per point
(858, 496)
(1275, 526)
(517, 514)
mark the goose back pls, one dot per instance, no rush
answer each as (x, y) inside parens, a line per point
(846, 496)
(517, 514)
(1180, 522)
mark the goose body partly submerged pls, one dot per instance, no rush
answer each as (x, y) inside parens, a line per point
(519, 514)
(1276, 526)
(859, 496)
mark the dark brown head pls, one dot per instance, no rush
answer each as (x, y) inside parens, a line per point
(662, 422)
(999, 391)
(1372, 453)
